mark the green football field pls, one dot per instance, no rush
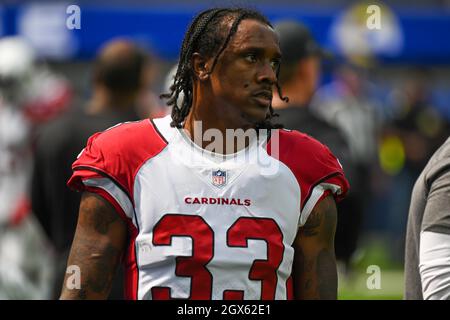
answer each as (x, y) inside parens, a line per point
(391, 286)
(359, 283)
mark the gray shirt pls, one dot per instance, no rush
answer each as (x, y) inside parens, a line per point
(429, 211)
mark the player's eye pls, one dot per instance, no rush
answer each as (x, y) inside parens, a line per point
(250, 57)
(275, 64)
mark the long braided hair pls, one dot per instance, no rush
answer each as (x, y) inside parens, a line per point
(206, 37)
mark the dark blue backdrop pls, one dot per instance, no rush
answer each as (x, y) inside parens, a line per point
(425, 34)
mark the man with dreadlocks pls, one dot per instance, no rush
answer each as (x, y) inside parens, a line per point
(195, 223)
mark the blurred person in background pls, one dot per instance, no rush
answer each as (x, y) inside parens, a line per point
(121, 77)
(30, 95)
(149, 105)
(300, 76)
(346, 104)
(414, 133)
(418, 123)
(427, 255)
(167, 84)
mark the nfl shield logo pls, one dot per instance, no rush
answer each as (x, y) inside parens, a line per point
(219, 178)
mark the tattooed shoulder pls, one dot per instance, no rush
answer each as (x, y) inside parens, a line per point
(323, 217)
(99, 214)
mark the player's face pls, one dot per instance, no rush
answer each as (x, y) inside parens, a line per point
(245, 75)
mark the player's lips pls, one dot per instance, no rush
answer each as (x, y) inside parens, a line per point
(264, 97)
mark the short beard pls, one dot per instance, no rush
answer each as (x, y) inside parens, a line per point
(266, 124)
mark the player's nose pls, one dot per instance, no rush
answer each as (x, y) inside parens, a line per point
(267, 74)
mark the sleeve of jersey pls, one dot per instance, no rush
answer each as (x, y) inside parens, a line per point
(320, 178)
(94, 173)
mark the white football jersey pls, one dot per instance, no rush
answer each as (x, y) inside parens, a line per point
(202, 225)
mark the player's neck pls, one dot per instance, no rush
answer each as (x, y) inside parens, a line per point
(208, 129)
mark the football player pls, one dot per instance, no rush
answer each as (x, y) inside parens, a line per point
(194, 223)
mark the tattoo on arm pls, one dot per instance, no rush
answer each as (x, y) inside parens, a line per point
(322, 219)
(98, 264)
(100, 217)
(97, 247)
(327, 275)
(311, 226)
(315, 275)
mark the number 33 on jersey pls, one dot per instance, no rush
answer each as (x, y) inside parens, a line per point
(203, 226)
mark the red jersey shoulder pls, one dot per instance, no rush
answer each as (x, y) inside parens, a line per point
(301, 151)
(130, 139)
(300, 141)
(309, 160)
(119, 152)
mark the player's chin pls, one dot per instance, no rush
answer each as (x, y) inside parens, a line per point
(251, 119)
(258, 109)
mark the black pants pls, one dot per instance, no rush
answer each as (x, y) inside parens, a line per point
(350, 213)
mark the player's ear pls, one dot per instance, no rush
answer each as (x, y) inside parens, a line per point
(201, 66)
